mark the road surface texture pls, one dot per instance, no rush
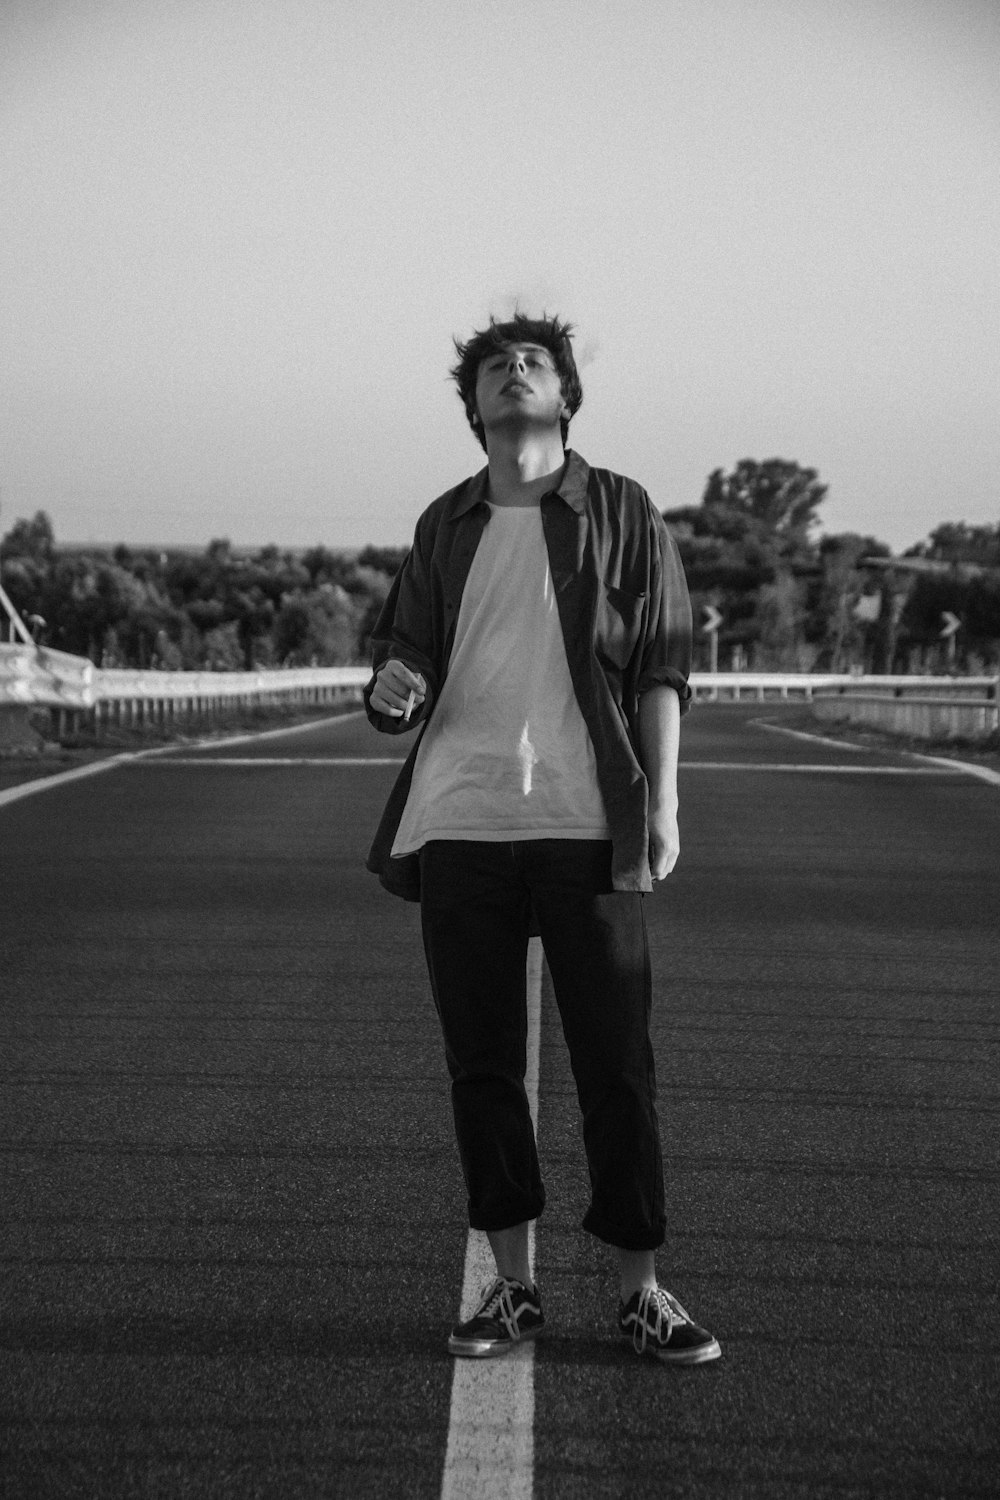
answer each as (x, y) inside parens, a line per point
(233, 1223)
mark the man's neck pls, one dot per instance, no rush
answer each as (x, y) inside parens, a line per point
(524, 468)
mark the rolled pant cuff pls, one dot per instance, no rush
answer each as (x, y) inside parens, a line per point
(491, 1223)
(626, 1239)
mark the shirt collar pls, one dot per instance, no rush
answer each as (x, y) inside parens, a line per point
(572, 487)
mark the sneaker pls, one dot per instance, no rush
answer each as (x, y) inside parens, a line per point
(657, 1325)
(508, 1312)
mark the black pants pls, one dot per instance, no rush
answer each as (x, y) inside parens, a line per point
(476, 907)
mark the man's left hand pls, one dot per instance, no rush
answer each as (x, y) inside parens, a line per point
(664, 840)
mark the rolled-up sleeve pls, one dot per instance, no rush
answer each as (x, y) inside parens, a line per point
(404, 631)
(666, 652)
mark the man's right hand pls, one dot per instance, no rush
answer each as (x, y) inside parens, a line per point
(393, 686)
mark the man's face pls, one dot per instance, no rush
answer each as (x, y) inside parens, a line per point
(519, 386)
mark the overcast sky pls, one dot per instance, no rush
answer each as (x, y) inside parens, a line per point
(238, 235)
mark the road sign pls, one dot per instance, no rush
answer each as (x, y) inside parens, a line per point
(713, 619)
(951, 624)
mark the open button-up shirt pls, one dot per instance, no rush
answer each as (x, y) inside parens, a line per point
(625, 615)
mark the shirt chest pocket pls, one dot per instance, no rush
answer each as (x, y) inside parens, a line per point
(618, 623)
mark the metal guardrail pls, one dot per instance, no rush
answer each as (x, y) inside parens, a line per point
(810, 685)
(111, 684)
(926, 708)
(139, 698)
(949, 688)
(36, 675)
(40, 676)
(712, 687)
(80, 693)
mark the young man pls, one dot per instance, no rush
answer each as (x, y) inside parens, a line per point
(540, 631)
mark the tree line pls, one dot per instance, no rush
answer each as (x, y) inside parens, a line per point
(222, 609)
(793, 600)
(790, 599)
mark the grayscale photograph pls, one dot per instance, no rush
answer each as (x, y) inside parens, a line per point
(499, 750)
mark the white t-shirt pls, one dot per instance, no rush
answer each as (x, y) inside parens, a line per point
(506, 753)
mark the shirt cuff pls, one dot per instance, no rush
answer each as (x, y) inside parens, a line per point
(667, 677)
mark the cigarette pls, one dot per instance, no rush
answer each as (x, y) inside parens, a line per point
(411, 700)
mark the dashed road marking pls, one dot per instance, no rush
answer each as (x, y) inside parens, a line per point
(491, 1426)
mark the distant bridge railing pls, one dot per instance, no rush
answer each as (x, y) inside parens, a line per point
(811, 685)
(924, 708)
(162, 698)
(34, 675)
(712, 687)
(81, 695)
(929, 708)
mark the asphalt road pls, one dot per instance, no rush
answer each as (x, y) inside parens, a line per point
(233, 1224)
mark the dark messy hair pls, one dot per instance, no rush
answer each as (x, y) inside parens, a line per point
(549, 333)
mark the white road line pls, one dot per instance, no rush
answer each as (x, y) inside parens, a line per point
(968, 766)
(153, 754)
(273, 734)
(802, 734)
(165, 755)
(948, 762)
(280, 760)
(722, 765)
(685, 765)
(60, 778)
(491, 1440)
(92, 768)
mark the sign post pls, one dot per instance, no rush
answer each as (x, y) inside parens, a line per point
(951, 626)
(713, 619)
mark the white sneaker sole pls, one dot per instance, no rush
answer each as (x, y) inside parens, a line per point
(699, 1356)
(489, 1348)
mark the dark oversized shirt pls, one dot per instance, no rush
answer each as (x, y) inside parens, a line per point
(625, 614)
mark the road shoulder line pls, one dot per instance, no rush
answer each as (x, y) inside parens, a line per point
(60, 778)
(261, 734)
(491, 1442)
(982, 773)
(950, 763)
(210, 761)
(803, 734)
(127, 757)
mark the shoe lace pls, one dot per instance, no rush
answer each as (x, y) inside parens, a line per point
(498, 1304)
(657, 1310)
